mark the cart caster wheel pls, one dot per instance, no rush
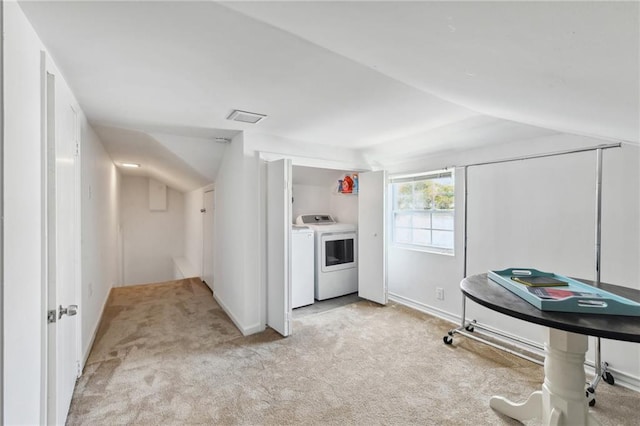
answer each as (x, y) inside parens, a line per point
(469, 328)
(447, 340)
(608, 377)
(591, 396)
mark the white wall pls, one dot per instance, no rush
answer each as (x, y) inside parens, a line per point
(150, 238)
(236, 265)
(100, 221)
(23, 221)
(560, 237)
(315, 191)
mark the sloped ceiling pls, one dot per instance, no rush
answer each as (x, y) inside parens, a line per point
(356, 74)
(569, 66)
(156, 159)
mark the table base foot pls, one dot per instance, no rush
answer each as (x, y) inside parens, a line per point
(530, 409)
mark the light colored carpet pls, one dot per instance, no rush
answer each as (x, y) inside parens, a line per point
(167, 354)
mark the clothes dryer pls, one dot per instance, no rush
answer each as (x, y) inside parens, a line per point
(336, 256)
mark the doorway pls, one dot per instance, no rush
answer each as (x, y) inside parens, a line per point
(61, 210)
(208, 202)
(286, 191)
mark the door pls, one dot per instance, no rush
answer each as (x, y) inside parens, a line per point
(279, 246)
(207, 238)
(372, 254)
(62, 141)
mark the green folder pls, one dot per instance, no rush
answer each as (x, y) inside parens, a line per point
(537, 281)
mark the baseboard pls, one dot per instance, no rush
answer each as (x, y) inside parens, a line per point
(419, 306)
(255, 328)
(182, 268)
(94, 333)
(622, 378)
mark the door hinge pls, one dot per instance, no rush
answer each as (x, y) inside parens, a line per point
(51, 316)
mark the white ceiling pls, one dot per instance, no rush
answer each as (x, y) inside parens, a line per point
(355, 74)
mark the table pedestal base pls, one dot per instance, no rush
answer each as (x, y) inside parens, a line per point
(562, 400)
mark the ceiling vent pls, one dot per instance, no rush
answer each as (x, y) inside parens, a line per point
(223, 140)
(245, 117)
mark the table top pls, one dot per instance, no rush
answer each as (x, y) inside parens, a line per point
(492, 295)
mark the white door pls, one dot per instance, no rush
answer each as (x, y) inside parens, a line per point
(372, 254)
(279, 246)
(207, 238)
(62, 132)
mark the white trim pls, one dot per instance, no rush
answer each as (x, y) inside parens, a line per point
(42, 383)
(421, 175)
(623, 379)
(252, 329)
(87, 349)
(184, 268)
(44, 158)
(322, 163)
(425, 249)
(77, 124)
(419, 306)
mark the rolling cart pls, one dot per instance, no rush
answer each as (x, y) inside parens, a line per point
(466, 328)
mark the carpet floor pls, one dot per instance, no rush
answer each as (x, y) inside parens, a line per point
(167, 354)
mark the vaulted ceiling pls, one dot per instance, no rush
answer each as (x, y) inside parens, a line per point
(356, 74)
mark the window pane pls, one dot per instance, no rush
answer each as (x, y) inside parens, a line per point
(402, 235)
(443, 239)
(421, 237)
(423, 195)
(422, 221)
(403, 220)
(403, 196)
(443, 220)
(422, 205)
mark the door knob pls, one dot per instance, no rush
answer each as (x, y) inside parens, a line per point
(70, 310)
(203, 210)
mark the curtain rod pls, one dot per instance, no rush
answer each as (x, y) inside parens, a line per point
(548, 154)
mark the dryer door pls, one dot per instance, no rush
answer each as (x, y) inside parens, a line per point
(339, 251)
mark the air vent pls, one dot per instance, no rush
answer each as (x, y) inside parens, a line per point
(245, 117)
(223, 140)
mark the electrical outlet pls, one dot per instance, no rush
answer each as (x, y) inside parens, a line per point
(439, 293)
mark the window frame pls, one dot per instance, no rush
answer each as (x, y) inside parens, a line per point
(394, 212)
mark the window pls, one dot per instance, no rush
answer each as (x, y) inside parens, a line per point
(423, 211)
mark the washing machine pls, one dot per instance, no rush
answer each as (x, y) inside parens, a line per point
(302, 266)
(336, 255)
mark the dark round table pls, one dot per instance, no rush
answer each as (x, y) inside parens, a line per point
(562, 398)
(492, 295)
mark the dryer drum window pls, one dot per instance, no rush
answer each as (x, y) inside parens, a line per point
(338, 252)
